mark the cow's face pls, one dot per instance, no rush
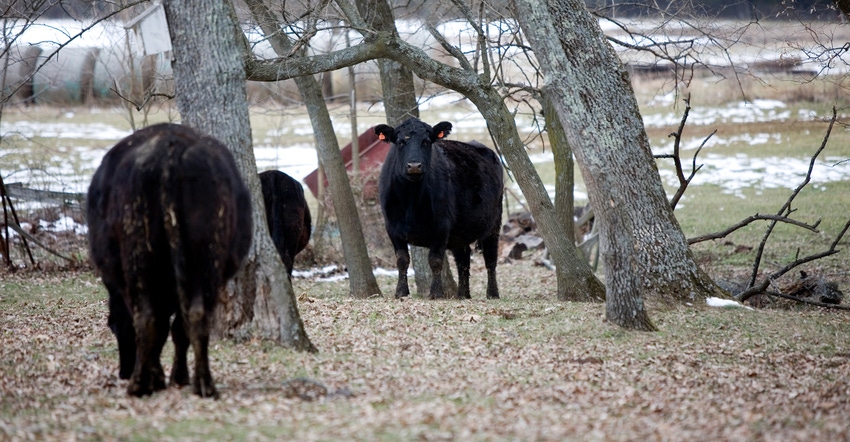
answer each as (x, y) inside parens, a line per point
(413, 142)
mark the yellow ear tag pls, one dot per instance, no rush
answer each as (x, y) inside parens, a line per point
(440, 135)
(382, 137)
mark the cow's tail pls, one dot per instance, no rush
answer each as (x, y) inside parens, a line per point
(168, 194)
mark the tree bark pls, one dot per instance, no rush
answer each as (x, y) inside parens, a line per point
(591, 90)
(564, 168)
(211, 96)
(362, 283)
(564, 175)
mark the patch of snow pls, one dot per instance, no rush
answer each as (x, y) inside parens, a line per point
(740, 112)
(720, 302)
(63, 224)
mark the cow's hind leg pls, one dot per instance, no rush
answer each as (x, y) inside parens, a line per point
(180, 369)
(151, 334)
(490, 250)
(197, 320)
(462, 255)
(435, 261)
(402, 255)
(121, 323)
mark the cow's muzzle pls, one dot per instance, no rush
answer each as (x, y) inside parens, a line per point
(414, 168)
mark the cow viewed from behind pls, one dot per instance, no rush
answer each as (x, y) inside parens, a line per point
(440, 194)
(169, 223)
(287, 214)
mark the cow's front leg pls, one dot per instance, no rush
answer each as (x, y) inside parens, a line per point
(402, 263)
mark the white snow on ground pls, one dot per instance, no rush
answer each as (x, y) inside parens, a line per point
(332, 273)
(739, 172)
(756, 111)
(720, 302)
(31, 129)
(64, 224)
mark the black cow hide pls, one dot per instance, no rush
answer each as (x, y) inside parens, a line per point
(287, 214)
(440, 194)
(169, 223)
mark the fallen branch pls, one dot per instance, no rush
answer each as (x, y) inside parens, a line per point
(26, 235)
(4, 198)
(807, 301)
(786, 208)
(762, 287)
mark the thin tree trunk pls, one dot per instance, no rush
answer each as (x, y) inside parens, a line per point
(211, 96)
(564, 169)
(564, 175)
(362, 282)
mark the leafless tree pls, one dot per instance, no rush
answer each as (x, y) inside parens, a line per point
(361, 279)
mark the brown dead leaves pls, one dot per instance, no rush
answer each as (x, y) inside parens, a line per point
(518, 368)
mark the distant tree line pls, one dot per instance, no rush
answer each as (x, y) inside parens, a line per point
(740, 9)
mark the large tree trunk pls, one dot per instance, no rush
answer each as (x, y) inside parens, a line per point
(362, 283)
(591, 91)
(211, 96)
(400, 103)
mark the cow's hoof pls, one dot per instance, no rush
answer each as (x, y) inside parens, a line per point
(138, 390)
(179, 377)
(205, 390)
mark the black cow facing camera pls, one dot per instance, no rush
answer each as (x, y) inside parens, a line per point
(169, 223)
(440, 194)
(287, 214)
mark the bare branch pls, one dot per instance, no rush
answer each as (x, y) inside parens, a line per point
(676, 156)
(453, 50)
(751, 219)
(786, 208)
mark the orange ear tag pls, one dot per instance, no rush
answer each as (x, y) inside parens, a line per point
(382, 137)
(440, 135)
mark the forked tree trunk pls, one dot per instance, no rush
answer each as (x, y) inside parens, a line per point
(591, 91)
(211, 96)
(362, 283)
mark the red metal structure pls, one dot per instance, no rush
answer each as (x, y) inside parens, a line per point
(372, 154)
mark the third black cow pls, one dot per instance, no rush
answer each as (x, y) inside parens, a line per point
(287, 214)
(440, 194)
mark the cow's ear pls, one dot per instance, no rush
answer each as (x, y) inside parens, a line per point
(441, 130)
(385, 133)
